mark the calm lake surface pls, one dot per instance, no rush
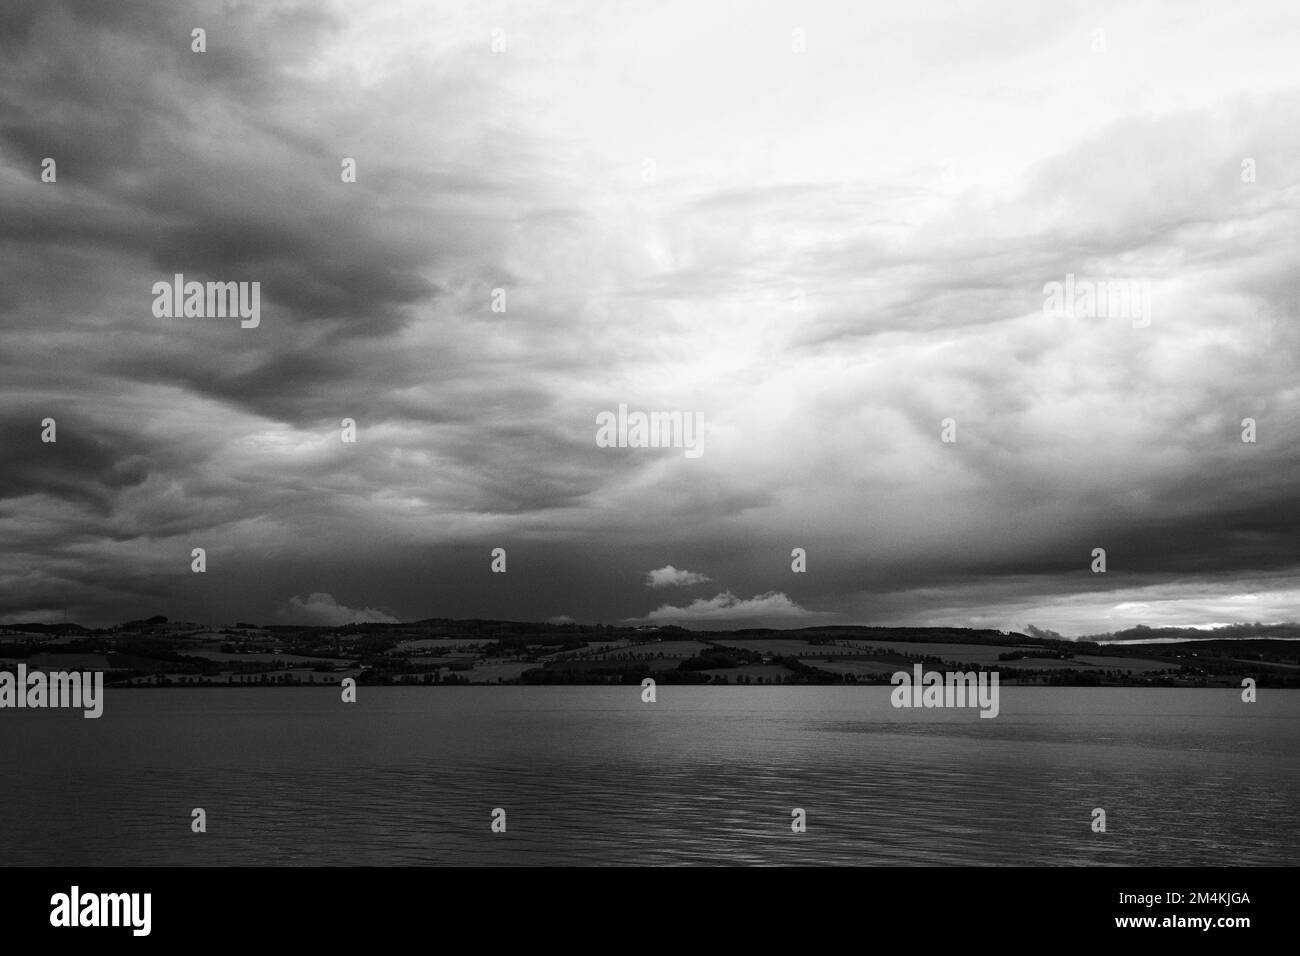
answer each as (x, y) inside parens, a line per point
(592, 775)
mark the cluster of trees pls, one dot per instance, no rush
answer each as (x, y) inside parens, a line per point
(562, 675)
(715, 657)
(1064, 655)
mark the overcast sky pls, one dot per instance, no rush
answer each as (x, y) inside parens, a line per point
(824, 242)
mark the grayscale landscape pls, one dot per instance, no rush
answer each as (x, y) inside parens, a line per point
(679, 432)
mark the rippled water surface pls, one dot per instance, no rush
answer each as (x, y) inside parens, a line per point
(704, 775)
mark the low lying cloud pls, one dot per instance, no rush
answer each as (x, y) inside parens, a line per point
(321, 609)
(1043, 633)
(727, 607)
(669, 577)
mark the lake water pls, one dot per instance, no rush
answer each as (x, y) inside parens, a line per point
(706, 775)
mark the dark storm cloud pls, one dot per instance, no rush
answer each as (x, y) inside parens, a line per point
(522, 172)
(197, 161)
(86, 469)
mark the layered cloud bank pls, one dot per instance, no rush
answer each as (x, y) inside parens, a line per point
(824, 229)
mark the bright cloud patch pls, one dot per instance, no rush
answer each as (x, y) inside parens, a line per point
(727, 607)
(670, 577)
(321, 609)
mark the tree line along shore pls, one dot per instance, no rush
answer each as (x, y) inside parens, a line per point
(158, 652)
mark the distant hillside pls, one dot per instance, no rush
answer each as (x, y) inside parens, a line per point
(34, 628)
(438, 651)
(1227, 632)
